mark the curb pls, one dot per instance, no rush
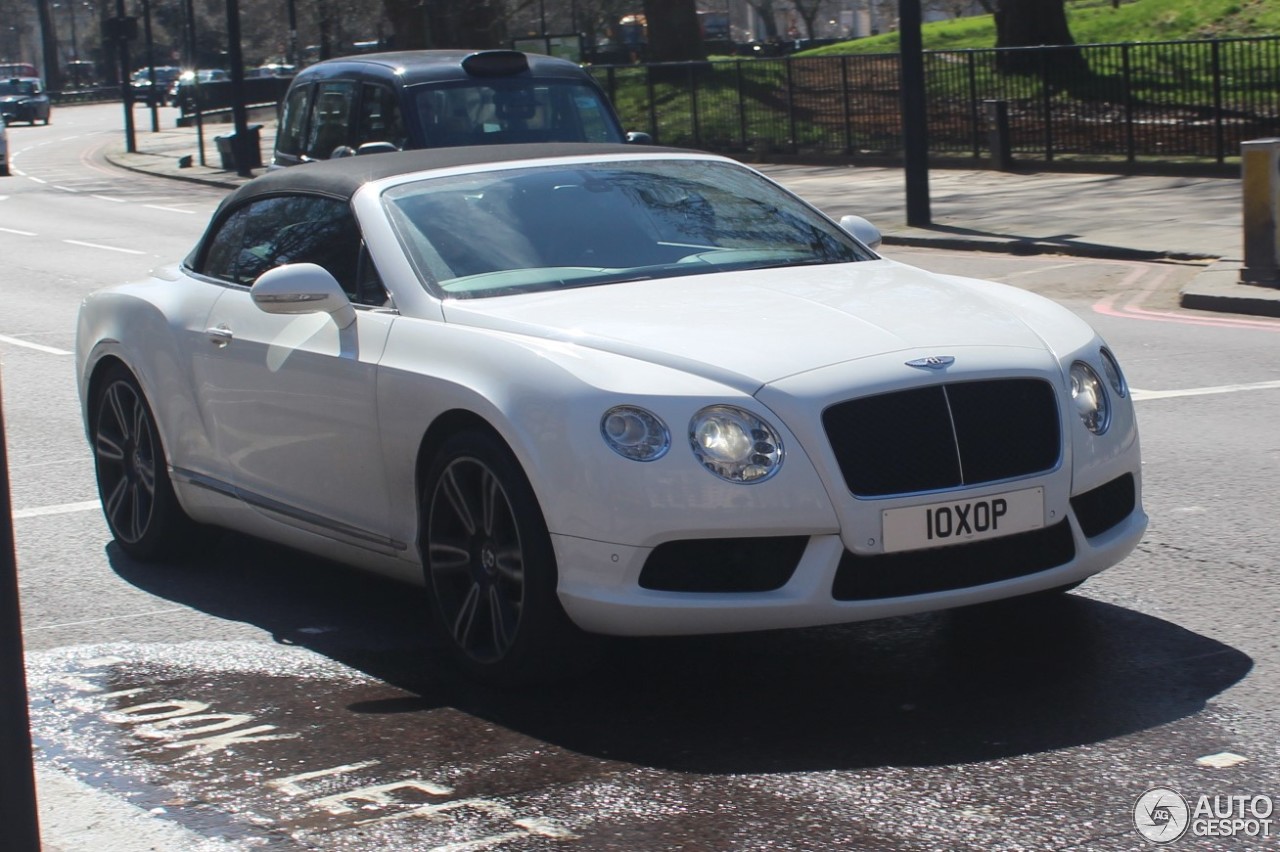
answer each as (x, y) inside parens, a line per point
(1219, 289)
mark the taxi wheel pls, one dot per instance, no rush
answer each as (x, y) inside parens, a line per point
(490, 567)
(133, 475)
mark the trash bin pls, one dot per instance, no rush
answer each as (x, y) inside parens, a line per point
(231, 149)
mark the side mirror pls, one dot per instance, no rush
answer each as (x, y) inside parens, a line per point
(637, 137)
(376, 148)
(302, 288)
(867, 233)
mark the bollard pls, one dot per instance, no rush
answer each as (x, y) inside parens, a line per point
(998, 134)
(1260, 186)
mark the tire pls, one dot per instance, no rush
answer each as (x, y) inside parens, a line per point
(490, 568)
(133, 474)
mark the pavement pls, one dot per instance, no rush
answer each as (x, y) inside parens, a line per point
(1124, 217)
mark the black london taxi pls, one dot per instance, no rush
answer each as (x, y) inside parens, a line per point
(440, 98)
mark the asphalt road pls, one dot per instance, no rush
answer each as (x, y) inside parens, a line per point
(256, 699)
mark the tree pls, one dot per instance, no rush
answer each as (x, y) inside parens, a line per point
(808, 10)
(49, 47)
(446, 23)
(673, 31)
(1036, 23)
(768, 17)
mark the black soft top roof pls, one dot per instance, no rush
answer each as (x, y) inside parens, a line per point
(426, 66)
(341, 178)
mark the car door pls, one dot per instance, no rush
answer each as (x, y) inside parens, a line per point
(291, 399)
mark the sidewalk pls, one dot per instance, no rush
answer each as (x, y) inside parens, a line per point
(1123, 217)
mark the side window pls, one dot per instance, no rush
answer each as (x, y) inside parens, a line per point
(224, 249)
(293, 121)
(294, 229)
(380, 117)
(330, 123)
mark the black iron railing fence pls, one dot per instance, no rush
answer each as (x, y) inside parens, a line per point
(1157, 104)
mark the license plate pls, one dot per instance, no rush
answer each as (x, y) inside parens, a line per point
(959, 521)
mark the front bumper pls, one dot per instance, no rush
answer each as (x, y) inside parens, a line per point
(601, 584)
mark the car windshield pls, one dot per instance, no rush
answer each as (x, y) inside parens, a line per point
(550, 228)
(17, 87)
(503, 110)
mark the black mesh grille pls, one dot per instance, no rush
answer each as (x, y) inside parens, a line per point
(1105, 506)
(723, 564)
(917, 572)
(944, 436)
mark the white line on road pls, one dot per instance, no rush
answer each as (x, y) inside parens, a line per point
(4, 338)
(108, 248)
(109, 198)
(107, 618)
(167, 209)
(65, 188)
(19, 233)
(59, 509)
(1169, 394)
(36, 179)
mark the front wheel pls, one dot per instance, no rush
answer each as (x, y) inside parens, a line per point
(133, 476)
(490, 567)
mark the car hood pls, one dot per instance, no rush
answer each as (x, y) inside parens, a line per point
(751, 328)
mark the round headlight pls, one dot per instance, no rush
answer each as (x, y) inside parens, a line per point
(1111, 368)
(1090, 398)
(735, 444)
(634, 433)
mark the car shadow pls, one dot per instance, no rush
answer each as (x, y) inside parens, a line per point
(937, 689)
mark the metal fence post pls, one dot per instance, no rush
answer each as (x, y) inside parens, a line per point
(21, 827)
(791, 107)
(1219, 143)
(1126, 65)
(742, 106)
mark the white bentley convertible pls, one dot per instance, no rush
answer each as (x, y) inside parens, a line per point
(603, 389)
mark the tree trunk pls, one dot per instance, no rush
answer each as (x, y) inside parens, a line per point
(1035, 23)
(49, 47)
(674, 34)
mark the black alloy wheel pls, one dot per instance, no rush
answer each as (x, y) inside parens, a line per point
(490, 566)
(133, 477)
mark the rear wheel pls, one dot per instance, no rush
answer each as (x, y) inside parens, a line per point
(490, 566)
(133, 476)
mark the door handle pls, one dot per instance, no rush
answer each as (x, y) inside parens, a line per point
(220, 336)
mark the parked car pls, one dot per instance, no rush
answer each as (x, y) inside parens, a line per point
(440, 98)
(184, 82)
(145, 93)
(613, 389)
(4, 148)
(18, 69)
(24, 99)
(271, 70)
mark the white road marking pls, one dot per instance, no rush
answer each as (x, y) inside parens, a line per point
(108, 248)
(36, 179)
(108, 618)
(1139, 395)
(65, 188)
(109, 198)
(61, 509)
(39, 347)
(19, 233)
(168, 209)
